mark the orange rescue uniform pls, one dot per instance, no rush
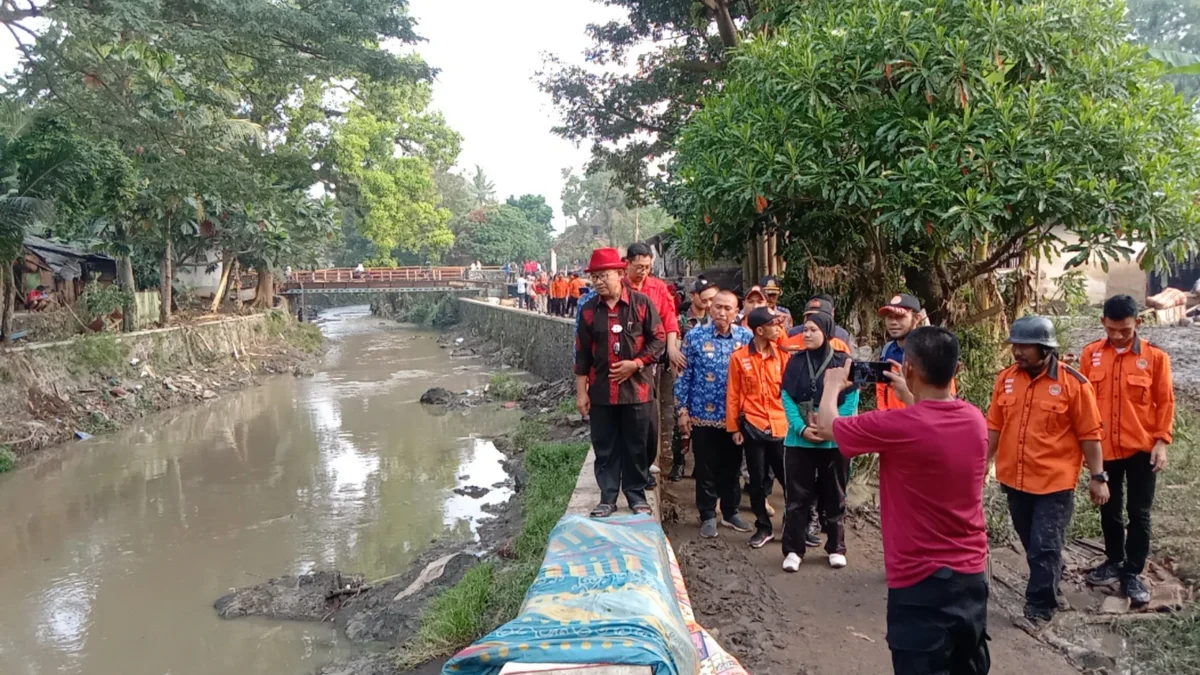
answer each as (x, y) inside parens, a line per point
(1042, 421)
(559, 288)
(577, 285)
(754, 390)
(1135, 393)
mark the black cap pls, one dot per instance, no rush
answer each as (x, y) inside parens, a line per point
(762, 316)
(817, 305)
(904, 302)
(770, 284)
(701, 284)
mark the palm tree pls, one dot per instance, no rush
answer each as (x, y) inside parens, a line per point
(483, 191)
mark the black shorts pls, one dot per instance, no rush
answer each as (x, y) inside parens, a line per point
(940, 625)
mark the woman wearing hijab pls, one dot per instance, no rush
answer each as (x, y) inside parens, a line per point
(813, 468)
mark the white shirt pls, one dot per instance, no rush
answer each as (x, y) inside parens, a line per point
(359, 268)
(520, 286)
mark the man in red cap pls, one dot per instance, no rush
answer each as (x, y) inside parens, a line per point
(619, 338)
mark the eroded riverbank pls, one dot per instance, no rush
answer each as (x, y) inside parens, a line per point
(115, 549)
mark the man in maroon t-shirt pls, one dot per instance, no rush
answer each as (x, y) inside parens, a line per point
(932, 466)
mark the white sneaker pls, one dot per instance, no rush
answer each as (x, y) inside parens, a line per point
(792, 562)
(837, 560)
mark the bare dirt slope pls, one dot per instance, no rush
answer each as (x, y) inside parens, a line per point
(818, 621)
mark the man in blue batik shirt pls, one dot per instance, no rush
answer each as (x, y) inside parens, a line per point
(700, 406)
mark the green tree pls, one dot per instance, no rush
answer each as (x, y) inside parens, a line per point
(220, 100)
(601, 216)
(647, 74)
(19, 212)
(500, 234)
(535, 208)
(1173, 25)
(483, 191)
(932, 140)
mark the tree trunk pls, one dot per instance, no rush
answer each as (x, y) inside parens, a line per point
(10, 301)
(127, 284)
(166, 279)
(226, 268)
(725, 25)
(264, 292)
(237, 285)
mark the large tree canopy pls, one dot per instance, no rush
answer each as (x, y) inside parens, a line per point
(936, 138)
(646, 76)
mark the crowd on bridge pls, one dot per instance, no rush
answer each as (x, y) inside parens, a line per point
(764, 395)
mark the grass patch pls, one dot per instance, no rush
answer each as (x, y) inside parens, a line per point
(1165, 645)
(566, 406)
(491, 593)
(506, 387)
(8, 458)
(303, 336)
(530, 432)
(1177, 498)
(99, 423)
(99, 352)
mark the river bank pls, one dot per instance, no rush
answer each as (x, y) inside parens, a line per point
(75, 389)
(454, 590)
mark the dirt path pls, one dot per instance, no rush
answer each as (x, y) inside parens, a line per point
(817, 621)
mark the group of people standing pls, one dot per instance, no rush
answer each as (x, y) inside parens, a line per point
(758, 389)
(556, 295)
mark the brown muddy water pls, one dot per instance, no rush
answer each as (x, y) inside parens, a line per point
(113, 550)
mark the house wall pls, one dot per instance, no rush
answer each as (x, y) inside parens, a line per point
(1123, 276)
(197, 277)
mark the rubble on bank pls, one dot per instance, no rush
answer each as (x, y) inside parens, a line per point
(96, 384)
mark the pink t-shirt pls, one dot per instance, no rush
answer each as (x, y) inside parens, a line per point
(932, 464)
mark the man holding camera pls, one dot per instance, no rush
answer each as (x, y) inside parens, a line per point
(932, 467)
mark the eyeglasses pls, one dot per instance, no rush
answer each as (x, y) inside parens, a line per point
(641, 267)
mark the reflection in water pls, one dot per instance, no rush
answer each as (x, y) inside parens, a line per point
(112, 551)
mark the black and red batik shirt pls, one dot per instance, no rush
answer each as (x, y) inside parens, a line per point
(632, 330)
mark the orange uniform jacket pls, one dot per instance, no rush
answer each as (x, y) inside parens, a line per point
(795, 343)
(1135, 393)
(559, 288)
(1042, 422)
(754, 390)
(576, 285)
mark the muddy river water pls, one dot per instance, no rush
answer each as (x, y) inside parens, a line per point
(113, 550)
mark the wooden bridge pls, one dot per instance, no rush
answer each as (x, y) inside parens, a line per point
(392, 279)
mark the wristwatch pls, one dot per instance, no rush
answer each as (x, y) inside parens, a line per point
(1101, 477)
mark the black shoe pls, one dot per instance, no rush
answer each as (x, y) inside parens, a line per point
(676, 474)
(1135, 590)
(811, 540)
(1104, 574)
(653, 483)
(760, 539)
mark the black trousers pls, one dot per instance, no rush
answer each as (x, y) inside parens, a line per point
(939, 625)
(619, 441)
(814, 476)
(762, 457)
(1041, 523)
(553, 307)
(572, 304)
(1133, 549)
(718, 472)
(677, 445)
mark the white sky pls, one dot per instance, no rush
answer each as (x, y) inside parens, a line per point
(487, 52)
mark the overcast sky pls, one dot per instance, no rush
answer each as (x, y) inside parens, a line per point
(488, 52)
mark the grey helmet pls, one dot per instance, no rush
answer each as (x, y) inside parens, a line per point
(1033, 330)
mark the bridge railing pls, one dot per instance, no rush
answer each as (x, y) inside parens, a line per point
(384, 274)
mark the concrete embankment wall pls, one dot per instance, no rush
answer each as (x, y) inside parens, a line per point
(542, 343)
